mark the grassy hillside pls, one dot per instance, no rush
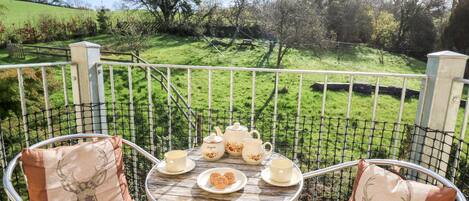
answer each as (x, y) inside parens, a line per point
(18, 12)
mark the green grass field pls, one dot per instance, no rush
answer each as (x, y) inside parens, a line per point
(190, 51)
(19, 12)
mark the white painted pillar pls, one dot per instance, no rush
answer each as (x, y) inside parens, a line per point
(440, 108)
(88, 87)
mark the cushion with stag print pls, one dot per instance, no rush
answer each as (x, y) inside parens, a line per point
(373, 183)
(86, 171)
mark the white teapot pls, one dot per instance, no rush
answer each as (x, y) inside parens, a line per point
(213, 147)
(254, 152)
(233, 138)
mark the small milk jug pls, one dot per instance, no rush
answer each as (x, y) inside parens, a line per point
(254, 152)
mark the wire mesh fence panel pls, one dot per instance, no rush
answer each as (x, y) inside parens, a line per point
(321, 141)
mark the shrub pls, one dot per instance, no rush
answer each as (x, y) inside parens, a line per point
(103, 20)
(131, 32)
(80, 27)
(49, 29)
(26, 34)
(2, 35)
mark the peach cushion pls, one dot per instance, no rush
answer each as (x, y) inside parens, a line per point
(86, 171)
(375, 183)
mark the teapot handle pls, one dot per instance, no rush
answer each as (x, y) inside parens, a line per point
(218, 130)
(271, 147)
(258, 136)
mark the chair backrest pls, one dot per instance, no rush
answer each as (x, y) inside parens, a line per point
(388, 162)
(10, 190)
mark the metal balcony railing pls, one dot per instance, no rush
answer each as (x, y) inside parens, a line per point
(322, 142)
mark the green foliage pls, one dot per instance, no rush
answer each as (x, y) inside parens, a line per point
(103, 20)
(131, 32)
(293, 24)
(350, 20)
(416, 34)
(9, 98)
(384, 28)
(49, 28)
(422, 33)
(165, 11)
(456, 34)
(383, 34)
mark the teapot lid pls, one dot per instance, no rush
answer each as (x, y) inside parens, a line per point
(213, 138)
(237, 127)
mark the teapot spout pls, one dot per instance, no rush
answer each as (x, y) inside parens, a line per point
(218, 130)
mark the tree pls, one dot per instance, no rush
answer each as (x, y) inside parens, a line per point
(131, 31)
(103, 20)
(384, 27)
(456, 34)
(416, 26)
(164, 11)
(421, 36)
(293, 24)
(350, 20)
(236, 17)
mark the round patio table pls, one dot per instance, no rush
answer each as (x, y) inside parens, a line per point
(184, 187)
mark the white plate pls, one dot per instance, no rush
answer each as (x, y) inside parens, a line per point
(295, 179)
(161, 167)
(203, 180)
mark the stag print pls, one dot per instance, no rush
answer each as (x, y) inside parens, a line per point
(370, 182)
(84, 190)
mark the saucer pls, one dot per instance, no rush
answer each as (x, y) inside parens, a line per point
(295, 178)
(204, 183)
(161, 167)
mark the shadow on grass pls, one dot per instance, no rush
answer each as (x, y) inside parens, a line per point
(168, 41)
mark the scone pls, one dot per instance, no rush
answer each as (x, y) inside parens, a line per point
(220, 182)
(230, 176)
(213, 176)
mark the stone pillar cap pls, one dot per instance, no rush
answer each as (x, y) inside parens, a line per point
(447, 55)
(85, 44)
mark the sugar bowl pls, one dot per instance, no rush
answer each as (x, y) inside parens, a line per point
(213, 147)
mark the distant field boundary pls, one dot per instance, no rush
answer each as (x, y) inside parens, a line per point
(63, 52)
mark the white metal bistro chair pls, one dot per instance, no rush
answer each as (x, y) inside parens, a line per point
(387, 162)
(10, 190)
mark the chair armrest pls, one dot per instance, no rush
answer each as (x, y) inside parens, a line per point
(412, 166)
(10, 190)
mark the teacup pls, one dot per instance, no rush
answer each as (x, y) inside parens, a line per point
(175, 160)
(281, 170)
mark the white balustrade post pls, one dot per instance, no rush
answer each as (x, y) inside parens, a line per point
(88, 87)
(439, 110)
